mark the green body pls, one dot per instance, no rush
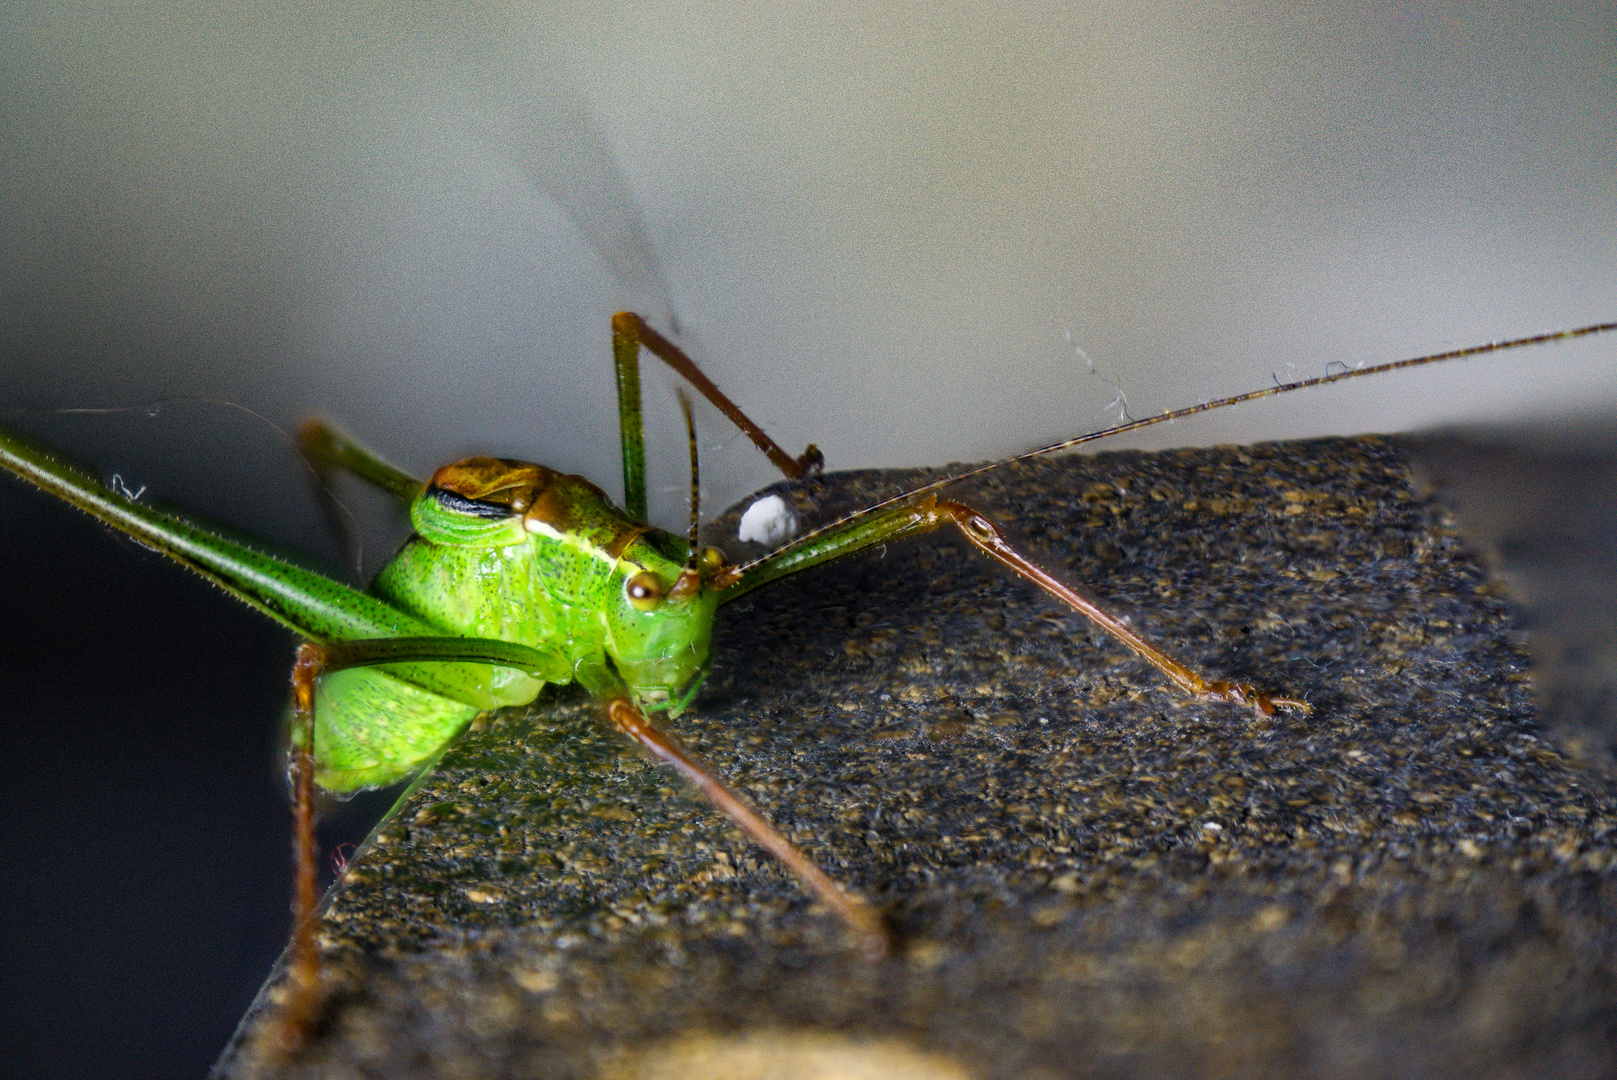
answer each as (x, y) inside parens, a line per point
(517, 576)
(518, 573)
(553, 577)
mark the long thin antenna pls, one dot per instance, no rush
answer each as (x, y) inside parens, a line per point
(696, 475)
(1179, 414)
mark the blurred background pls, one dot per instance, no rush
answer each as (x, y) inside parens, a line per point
(911, 234)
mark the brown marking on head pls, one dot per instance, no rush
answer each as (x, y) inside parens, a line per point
(515, 484)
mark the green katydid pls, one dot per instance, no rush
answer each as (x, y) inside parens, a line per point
(519, 576)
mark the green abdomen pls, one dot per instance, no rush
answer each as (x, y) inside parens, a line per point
(373, 728)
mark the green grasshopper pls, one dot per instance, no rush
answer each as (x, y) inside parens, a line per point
(518, 577)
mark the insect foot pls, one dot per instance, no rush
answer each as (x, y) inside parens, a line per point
(1247, 694)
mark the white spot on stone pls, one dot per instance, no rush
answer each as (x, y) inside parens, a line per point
(767, 521)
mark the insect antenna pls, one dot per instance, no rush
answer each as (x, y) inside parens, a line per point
(690, 578)
(736, 573)
(696, 475)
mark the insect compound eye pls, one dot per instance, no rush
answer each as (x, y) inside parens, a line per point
(710, 558)
(645, 590)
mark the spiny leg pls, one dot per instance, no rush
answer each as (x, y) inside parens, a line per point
(313, 661)
(863, 919)
(989, 539)
(629, 334)
(863, 531)
(303, 1006)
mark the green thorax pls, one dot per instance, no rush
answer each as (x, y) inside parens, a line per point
(518, 552)
(509, 550)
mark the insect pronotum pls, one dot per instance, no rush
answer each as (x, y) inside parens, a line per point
(518, 577)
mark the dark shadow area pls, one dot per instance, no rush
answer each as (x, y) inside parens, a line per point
(147, 837)
(1540, 506)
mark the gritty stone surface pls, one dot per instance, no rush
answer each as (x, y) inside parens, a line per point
(1088, 873)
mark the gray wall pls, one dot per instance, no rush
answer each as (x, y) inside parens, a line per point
(885, 231)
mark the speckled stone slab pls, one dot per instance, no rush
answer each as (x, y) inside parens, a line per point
(1088, 874)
